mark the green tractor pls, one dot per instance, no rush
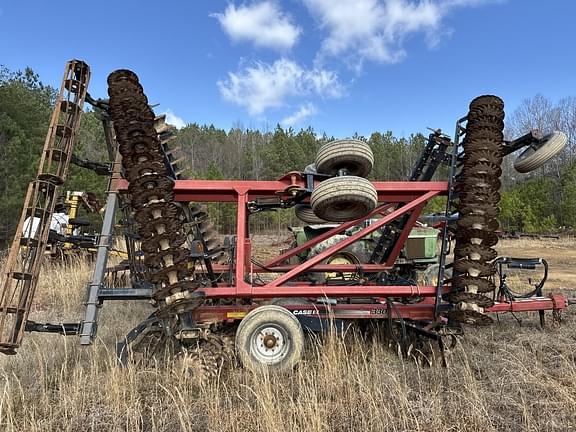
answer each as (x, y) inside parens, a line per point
(416, 264)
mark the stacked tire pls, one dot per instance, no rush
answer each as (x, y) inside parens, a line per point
(477, 185)
(348, 195)
(160, 219)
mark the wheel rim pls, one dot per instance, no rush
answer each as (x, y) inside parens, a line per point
(351, 168)
(529, 152)
(270, 344)
(342, 258)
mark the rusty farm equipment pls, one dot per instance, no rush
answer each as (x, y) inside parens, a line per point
(212, 298)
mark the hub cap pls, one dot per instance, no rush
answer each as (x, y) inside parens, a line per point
(270, 344)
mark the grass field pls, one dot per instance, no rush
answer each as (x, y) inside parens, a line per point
(504, 377)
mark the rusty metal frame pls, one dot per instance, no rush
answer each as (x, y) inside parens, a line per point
(23, 264)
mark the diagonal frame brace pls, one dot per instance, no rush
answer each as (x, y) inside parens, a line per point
(352, 239)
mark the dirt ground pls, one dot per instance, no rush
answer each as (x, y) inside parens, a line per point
(559, 253)
(267, 246)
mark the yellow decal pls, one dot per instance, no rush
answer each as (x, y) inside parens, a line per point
(237, 314)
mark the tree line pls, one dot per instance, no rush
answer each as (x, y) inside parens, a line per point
(543, 200)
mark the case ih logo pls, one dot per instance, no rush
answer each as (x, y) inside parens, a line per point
(304, 312)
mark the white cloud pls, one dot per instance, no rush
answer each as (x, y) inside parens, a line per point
(360, 30)
(303, 112)
(173, 119)
(262, 24)
(353, 32)
(260, 86)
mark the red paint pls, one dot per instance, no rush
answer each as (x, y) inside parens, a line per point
(423, 311)
(411, 195)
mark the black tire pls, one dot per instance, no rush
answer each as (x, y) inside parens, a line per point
(355, 156)
(305, 214)
(536, 156)
(341, 199)
(287, 337)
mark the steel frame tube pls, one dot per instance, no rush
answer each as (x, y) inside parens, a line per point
(88, 326)
(93, 301)
(352, 239)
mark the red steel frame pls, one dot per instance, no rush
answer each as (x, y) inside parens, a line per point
(395, 199)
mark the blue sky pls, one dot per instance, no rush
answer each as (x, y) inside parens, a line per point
(340, 66)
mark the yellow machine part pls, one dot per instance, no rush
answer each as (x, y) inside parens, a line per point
(342, 258)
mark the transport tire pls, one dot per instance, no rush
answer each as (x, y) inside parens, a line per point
(305, 214)
(345, 198)
(270, 337)
(536, 156)
(355, 156)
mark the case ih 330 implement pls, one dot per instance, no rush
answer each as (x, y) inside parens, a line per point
(209, 298)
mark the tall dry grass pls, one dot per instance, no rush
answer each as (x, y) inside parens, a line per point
(504, 377)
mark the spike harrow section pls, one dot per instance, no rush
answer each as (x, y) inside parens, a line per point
(478, 187)
(31, 237)
(198, 225)
(160, 219)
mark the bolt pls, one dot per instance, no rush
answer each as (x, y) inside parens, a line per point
(270, 341)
